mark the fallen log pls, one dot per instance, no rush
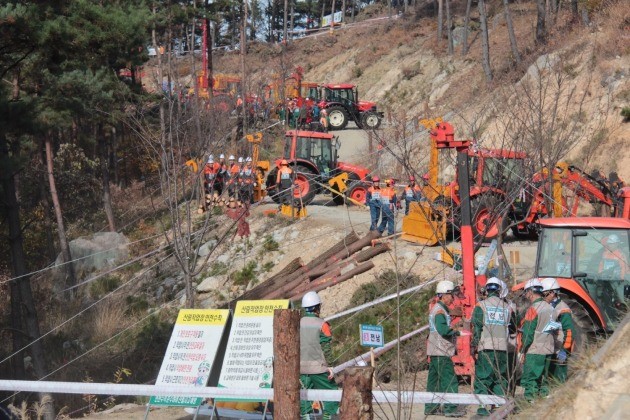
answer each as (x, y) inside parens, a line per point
(368, 254)
(339, 246)
(300, 276)
(307, 286)
(328, 282)
(277, 280)
(352, 248)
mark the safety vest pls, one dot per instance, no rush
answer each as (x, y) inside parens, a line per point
(436, 344)
(312, 359)
(211, 170)
(496, 318)
(375, 194)
(559, 343)
(543, 341)
(284, 175)
(387, 196)
(412, 193)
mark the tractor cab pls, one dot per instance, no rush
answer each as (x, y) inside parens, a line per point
(314, 148)
(590, 257)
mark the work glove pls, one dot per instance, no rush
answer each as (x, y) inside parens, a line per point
(561, 356)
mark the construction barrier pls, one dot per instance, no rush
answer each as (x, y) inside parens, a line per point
(91, 388)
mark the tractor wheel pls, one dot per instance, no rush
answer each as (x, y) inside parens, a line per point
(338, 117)
(370, 121)
(357, 191)
(271, 186)
(306, 187)
(486, 223)
(584, 326)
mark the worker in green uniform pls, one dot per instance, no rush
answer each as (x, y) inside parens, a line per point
(315, 356)
(536, 342)
(491, 321)
(440, 349)
(563, 343)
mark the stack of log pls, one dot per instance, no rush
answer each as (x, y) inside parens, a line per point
(341, 262)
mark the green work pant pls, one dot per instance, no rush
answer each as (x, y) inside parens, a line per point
(535, 375)
(491, 372)
(558, 370)
(318, 381)
(441, 379)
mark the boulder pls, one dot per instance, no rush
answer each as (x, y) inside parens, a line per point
(100, 251)
(210, 283)
(206, 248)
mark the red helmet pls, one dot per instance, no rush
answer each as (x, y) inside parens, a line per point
(375, 179)
(412, 178)
(425, 177)
(284, 162)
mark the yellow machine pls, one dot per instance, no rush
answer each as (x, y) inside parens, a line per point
(426, 222)
(262, 166)
(293, 212)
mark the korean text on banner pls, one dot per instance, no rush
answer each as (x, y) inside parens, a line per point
(372, 335)
(248, 362)
(191, 352)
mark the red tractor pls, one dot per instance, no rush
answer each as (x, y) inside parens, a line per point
(589, 257)
(342, 103)
(313, 157)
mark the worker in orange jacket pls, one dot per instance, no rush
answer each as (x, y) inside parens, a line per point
(232, 183)
(388, 206)
(613, 265)
(411, 193)
(284, 182)
(211, 182)
(373, 201)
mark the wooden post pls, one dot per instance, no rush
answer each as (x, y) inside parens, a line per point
(286, 352)
(356, 399)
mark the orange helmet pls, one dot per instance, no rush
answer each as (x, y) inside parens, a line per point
(284, 162)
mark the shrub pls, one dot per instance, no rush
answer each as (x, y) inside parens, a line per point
(247, 274)
(270, 244)
(625, 113)
(103, 286)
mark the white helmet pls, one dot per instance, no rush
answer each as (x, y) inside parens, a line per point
(534, 284)
(248, 159)
(445, 286)
(211, 159)
(549, 284)
(613, 239)
(504, 289)
(231, 157)
(221, 156)
(493, 284)
(240, 160)
(310, 300)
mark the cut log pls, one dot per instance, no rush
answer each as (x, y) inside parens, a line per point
(273, 282)
(339, 246)
(368, 254)
(356, 399)
(361, 268)
(352, 248)
(307, 286)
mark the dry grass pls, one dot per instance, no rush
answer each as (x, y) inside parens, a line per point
(109, 318)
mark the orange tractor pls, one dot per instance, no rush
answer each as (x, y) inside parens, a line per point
(313, 157)
(502, 194)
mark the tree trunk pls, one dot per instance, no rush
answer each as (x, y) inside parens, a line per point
(21, 286)
(466, 23)
(292, 18)
(286, 352)
(209, 45)
(510, 27)
(107, 198)
(343, 11)
(356, 399)
(485, 44)
(449, 25)
(284, 31)
(61, 230)
(541, 29)
(440, 22)
(323, 11)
